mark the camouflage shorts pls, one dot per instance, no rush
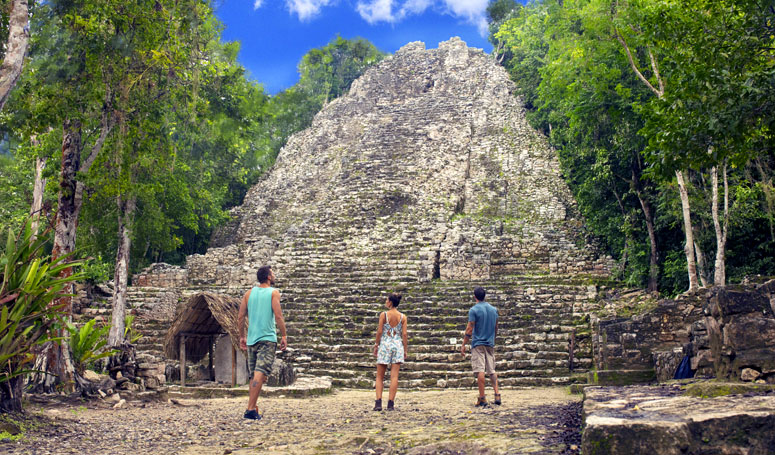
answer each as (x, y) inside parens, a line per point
(261, 357)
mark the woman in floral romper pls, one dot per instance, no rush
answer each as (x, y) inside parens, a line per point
(390, 348)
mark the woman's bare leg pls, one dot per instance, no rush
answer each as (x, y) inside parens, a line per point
(393, 380)
(380, 379)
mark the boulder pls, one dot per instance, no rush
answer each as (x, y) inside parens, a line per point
(749, 374)
(172, 372)
(282, 374)
(107, 384)
(91, 376)
(10, 428)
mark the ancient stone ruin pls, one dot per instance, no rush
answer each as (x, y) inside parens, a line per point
(424, 179)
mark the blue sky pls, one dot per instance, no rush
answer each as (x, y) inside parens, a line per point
(275, 34)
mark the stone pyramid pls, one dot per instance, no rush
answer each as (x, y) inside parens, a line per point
(426, 169)
(425, 178)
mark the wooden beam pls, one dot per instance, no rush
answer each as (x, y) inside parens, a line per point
(182, 360)
(210, 369)
(233, 366)
(201, 335)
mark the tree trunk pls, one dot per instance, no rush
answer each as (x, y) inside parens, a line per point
(702, 270)
(627, 240)
(15, 48)
(37, 194)
(688, 231)
(121, 275)
(649, 216)
(719, 272)
(11, 394)
(54, 361)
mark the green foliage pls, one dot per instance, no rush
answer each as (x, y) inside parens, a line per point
(619, 142)
(87, 344)
(29, 284)
(95, 270)
(130, 333)
(327, 72)
(14, 193)
(190, 132)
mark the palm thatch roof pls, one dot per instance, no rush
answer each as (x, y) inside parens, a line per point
(204, 315)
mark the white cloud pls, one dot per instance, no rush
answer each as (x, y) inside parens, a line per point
(376, 11)
(392, 11)
(415, 7)
(257, 4)
(306, 9)
(473, 11)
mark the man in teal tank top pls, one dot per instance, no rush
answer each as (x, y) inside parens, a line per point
(261, 305)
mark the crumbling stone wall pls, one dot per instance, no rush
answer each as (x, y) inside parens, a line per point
(729, 333)
(161, 275)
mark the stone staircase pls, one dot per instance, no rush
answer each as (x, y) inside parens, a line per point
(332, 319)
(333, 323)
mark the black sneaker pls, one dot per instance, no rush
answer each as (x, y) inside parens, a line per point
(497, 399)
(252, 415)
(390, 406)
(378, 405)
(481, 402)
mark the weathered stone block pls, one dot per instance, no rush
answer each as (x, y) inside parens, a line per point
(282, 374)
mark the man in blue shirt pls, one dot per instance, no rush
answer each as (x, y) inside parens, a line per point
(482, 325)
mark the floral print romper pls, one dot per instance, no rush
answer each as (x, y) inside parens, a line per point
(391, 346)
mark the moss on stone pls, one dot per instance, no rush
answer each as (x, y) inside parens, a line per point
(712, 389)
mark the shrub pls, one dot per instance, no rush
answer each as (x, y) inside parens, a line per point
(29, 284)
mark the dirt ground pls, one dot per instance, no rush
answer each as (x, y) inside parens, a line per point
(535, 420)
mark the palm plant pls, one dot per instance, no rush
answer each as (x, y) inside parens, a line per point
(29, 284)
(87, 344)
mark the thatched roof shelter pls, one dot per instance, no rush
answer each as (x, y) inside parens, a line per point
(204, 316)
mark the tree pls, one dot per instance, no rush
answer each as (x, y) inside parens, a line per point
(327, 72)
(633, 97)
(15, 48)
(571, 74)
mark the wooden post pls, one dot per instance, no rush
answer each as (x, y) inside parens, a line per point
(233, 366)
(182, 360)
(210, 369)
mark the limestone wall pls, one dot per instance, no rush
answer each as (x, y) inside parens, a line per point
(161, 275)
(724, 330)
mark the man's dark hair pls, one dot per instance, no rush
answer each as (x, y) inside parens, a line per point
(479, 293)
(263, 273)
(395, 299)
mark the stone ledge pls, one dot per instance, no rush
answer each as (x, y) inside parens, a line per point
(621, 377)
(303, 387)
(662, 420)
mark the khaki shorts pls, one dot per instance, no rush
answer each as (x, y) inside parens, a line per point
(483, 359)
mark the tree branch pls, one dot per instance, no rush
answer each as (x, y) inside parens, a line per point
(106, 126)
(656, 73)
(621, 40)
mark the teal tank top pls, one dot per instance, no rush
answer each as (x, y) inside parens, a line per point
(261, 326)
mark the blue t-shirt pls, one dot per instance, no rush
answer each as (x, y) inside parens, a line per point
(261, 325)
(484, 317)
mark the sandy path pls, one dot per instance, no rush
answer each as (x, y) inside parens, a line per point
(529, 421)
